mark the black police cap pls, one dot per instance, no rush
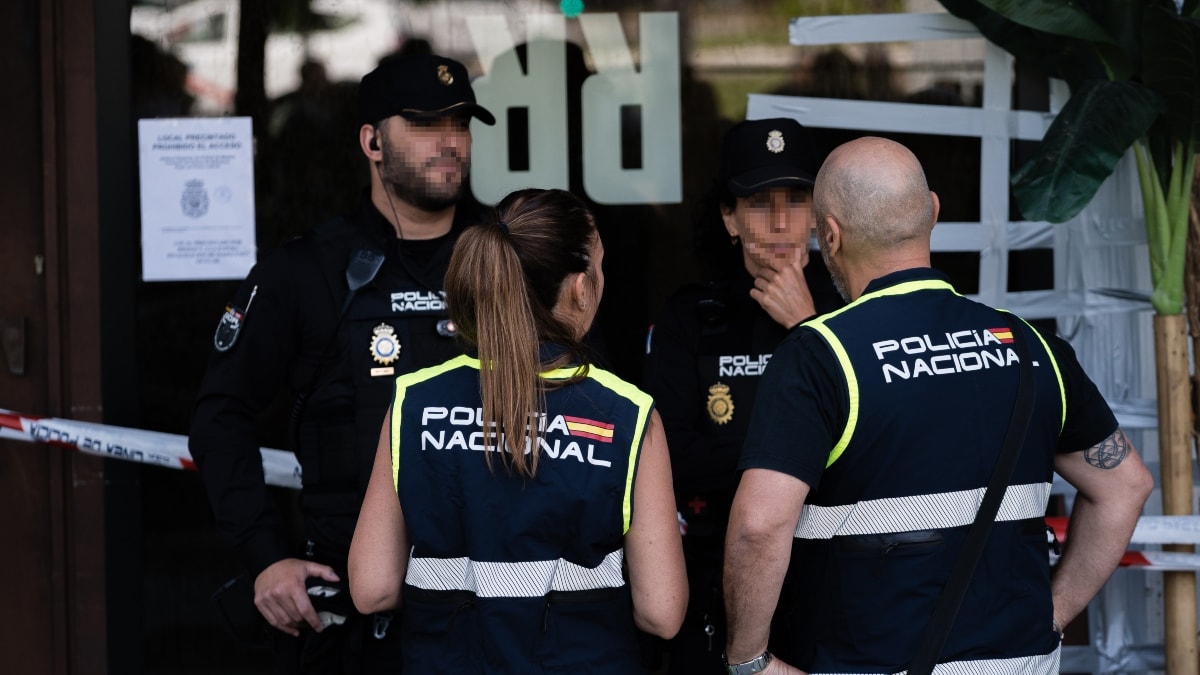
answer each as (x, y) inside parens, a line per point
(418, 86)
(758, 155)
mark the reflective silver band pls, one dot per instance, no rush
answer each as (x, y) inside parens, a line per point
(1041, 664)
(921, 512)
(513, 580)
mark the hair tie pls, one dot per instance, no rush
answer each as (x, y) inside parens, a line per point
(503, 226)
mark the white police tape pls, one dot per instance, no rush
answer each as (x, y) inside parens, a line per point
(135, 445)
(1151, 530)
(281, 468)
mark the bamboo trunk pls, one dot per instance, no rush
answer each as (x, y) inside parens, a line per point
(1175, 442)
(1192, 298)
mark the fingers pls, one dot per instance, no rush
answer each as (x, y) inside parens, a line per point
(287, 608)
(305, 606)
(318, 570)
(281, 594)
(783, 271)
(784, 294)
(308, 613)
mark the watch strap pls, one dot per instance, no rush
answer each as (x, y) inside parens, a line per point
(754, 665)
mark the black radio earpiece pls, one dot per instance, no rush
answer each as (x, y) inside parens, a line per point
(374, 144)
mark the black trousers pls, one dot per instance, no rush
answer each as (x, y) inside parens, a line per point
(698, 646)
(362, 645)
(352, 648)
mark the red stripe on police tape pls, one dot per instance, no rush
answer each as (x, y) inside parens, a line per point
(10, 420)
(1152, 530)
(136, 445)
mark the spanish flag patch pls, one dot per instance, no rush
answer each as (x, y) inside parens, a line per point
(1004, 335)
(582, 426)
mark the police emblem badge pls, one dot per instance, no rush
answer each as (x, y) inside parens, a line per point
(720, 404)
(775, 141)
(385, 348)
(194, 200)
(444, 75)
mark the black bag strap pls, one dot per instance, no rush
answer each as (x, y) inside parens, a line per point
(951, 598)
(364, 265)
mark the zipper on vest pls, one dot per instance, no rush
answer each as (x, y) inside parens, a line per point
(576, 597)
(885, 543)
(903, 546)
(883, 554)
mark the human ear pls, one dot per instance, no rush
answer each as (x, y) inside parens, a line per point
(579, 291)
(831, 236)
(730, 223)
(368, 141)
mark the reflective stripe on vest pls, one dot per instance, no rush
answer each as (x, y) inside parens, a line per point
(1041, 664)
(920, 512)
(514, 580)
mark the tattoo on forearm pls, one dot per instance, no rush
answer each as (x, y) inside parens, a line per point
(1109, 453)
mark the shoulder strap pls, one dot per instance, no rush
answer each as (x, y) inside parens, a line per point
(361, 268)
(964, 568)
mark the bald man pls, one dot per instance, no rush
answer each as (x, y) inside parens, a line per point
(877, 430)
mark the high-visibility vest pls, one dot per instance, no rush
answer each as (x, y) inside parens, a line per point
(931, 379)
(512, 574)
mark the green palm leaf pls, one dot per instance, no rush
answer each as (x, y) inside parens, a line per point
(1065, 58)
(1056, 17)
(1082, 146)
(1173, 70)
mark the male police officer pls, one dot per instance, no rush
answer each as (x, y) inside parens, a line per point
(336, 315)
(887, 417)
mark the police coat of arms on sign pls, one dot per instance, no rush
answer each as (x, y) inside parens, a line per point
(194, 199)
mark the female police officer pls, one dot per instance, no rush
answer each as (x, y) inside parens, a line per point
(526, 478)
(712, 341)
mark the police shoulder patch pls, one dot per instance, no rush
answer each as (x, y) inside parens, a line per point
(231, 324)
(228, 329)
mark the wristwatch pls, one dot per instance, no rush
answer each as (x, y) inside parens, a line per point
(754, 665)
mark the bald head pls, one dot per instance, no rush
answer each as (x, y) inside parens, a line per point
(876, 190)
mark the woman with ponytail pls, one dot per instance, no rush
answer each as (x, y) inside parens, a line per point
(547, 553)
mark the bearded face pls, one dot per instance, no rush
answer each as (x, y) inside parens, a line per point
(425, 162)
